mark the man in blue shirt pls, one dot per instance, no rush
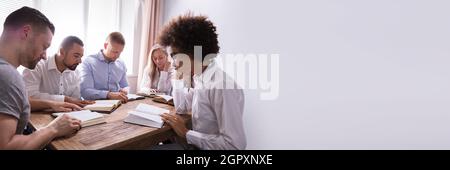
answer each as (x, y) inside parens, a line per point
(103, 76)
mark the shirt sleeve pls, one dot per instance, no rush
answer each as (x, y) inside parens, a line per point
(165, 81)
(88, 92)
(123, 83)
(183, 100)
(228, 106)
(32, 79)
(12, 100)
(144, 86)
(76, 90)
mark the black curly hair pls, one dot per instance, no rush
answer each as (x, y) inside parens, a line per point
(187, 31)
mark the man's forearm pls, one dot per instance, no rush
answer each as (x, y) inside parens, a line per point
(36, 140)
(38, 105)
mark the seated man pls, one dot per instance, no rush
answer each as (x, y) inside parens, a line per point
(55, 79)
(103, 76)
(26, 35)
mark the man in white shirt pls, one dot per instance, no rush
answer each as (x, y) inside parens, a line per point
(55, 79)
(216, 101)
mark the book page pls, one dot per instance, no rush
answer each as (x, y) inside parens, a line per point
(145, 108)
(150, 94)
(61, 113)
(103, 104)
(83, 115)
(166, 97)
(133, 96)
(111, 102)
(153, 117)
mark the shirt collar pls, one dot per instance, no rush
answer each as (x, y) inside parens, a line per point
(52, 63)
(101, 57)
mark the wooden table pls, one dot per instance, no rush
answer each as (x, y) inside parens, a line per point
(114, 134)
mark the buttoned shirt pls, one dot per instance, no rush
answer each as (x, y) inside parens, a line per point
(99, 76)
(217, 105)
(47, 82)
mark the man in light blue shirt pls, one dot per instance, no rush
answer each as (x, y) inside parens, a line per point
(103, 76)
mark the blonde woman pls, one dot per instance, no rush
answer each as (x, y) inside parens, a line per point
(158, 73)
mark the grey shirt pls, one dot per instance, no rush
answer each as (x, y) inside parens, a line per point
(13, 96)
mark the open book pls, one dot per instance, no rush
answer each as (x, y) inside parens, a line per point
(164, 99)
(132, 97)
(146, 115)
(150, 94)
(104, 106)
(87, 117)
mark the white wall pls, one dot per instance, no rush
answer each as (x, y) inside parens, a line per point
(354, 74)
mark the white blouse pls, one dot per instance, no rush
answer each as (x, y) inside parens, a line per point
(163, 83)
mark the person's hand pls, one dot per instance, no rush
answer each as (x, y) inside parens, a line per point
(78, 102)
(178, 65)
(177, 123)
(118, 96)
(154, 91)
(63, 106)
(125, 92)
(167, 66)
(87, 102)
(64, 125)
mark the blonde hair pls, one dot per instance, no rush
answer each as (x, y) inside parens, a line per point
(151, 66)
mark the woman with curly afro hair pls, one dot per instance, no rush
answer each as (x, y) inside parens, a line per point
(214, 99)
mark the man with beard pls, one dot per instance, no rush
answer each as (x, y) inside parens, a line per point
(56, 79)
(26, 35)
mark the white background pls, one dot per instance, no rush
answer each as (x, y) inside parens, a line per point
(354, 74)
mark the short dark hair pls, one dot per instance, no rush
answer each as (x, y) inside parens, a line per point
(187, 31)
(27, 15)
(68, 42)
(116, 37)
